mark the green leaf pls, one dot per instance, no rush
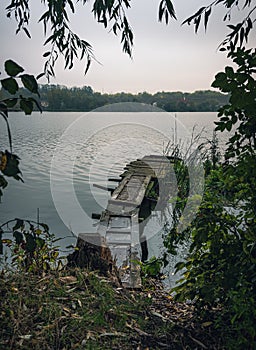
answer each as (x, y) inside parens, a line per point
(19, 224)
(87, 66)
(242, 77)
(166, 9)
(29, 83)
(30, 243)
(40, 75)
(12, 166)
(27, 32)
(18, 237)
(40, 242)
(71, 6)
(3, 182)
(10, 85)
(179, 266)
(220, 126)
(26, 105)
(170, 9)
(12, 68)
(229, 71)
(206, 17)
(10, 102)
(229, 125)
(36, 103)
(45, 227)
(197, 23)
(220, 79)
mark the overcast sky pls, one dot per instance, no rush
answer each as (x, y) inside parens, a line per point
(165, 58)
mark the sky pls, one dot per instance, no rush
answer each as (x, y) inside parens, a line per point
(165, 58)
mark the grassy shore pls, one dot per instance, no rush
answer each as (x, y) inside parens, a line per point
(77, 309)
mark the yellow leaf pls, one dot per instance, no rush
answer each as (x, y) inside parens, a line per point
(67, 310)
(7, 241)
(68, 279)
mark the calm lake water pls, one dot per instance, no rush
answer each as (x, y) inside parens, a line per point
(64, 154)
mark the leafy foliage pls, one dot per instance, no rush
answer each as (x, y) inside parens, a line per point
(64, 42)
(9, 162)
(239, 33)
(220, 268)
(242, 103)
(152, 267)
(11, 86)
(113, 12)
(32, 245)
(166, 10)
(9, 166)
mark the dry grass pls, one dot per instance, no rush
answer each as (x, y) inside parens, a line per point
(76, 309)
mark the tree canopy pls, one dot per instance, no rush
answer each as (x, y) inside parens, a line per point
(62, 98)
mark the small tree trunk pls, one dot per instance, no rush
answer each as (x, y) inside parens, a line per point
(93, 254)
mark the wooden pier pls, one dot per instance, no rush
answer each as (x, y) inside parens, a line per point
(144, 186)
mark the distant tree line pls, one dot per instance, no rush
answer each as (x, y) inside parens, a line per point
(62, 98)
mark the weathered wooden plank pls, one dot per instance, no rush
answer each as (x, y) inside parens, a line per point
(128, 194)
(120, 203)
(121, 208)
(155, 156)
(121, 185)
(153, 170)
(119, 222)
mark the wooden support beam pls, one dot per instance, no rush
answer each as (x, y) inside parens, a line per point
(110, 189)
(96, 216)
(114, 180)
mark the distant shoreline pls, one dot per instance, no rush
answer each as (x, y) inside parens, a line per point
(57, 98)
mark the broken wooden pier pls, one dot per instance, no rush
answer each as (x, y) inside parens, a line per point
(142, 187)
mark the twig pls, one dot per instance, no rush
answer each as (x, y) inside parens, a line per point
(198, 342)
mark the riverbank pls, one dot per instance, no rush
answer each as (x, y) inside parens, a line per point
(77, 309)
(84, 99)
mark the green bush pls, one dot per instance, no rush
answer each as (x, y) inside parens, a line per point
(220, 269)
(32, 246)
